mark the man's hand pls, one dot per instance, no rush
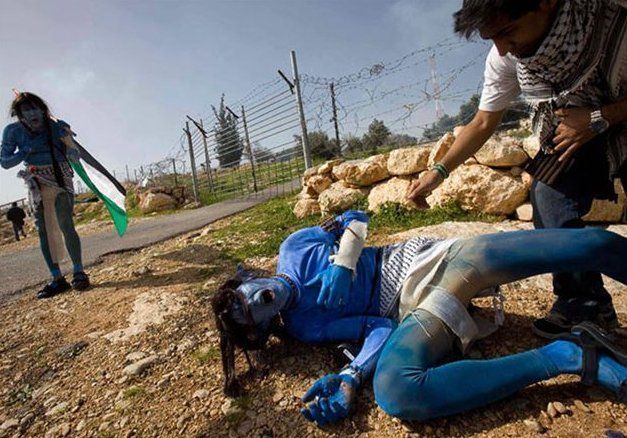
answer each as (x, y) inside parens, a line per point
(422, 187)
(333, 396)
(572, 132)
(336, 284)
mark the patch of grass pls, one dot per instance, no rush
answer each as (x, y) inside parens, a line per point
(243, 403)
(134, 391)
(20, 395)
(260, 230)
(393, 218)
(205, 355)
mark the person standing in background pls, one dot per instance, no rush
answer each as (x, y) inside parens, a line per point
(16, 216)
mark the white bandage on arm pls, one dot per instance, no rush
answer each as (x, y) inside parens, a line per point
(351, 244)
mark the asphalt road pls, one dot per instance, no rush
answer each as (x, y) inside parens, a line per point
(25, 268)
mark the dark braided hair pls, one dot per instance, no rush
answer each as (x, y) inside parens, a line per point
(248, 337)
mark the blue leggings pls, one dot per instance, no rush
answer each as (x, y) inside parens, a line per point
(64, 206)
(413, 380)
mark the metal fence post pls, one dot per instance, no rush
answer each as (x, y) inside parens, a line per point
(207, 162)
(176, 182)
(301, 112)
(192, 162)
(250, 149)
(128, 178)
(337, 131)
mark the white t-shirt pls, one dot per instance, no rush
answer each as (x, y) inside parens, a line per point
(500, 83)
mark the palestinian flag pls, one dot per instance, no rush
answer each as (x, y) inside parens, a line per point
(103, 184)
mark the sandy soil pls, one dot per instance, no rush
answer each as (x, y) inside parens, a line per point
(64, 363)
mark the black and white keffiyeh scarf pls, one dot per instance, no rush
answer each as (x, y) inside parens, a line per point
(581, 63)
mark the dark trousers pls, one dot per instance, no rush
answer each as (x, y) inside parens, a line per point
(17, 229)
(562, 206)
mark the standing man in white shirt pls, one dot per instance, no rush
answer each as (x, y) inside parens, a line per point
(568, 60)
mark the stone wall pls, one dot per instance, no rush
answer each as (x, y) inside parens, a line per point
(493, 181)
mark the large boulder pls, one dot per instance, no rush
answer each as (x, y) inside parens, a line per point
(441, 148)
(327, 167)
(481, 188)
(152, 202)
(393, 190)
(319, 183)
(307, 193)
(306, 207)
(339, 197)
(363, 172)
(502, 152)
(408, 161)
(309, 173)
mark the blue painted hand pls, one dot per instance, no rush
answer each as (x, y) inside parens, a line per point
(335, 287)
(331, 397)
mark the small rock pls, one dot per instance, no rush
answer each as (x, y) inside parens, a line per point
(9, 424)
(552, 411)
(534, 426)
(230, 408)
(104, 426)
(144, 270)
(58, 409)
(183, 419)
(135, 356)
(81, 425)
(26, 419)
(63, 429)
(582, 406)
(560, 408)
(163, 382)
(201, 394)
(277, 397)
(72, 350)
(140, 366)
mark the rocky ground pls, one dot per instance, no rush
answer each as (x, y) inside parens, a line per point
(138, 355)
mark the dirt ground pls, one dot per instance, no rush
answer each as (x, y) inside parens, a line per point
(138, 355)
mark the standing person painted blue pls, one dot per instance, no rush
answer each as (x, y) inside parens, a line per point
(329, 288)
(35, 140)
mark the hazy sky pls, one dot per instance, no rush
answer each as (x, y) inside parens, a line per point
(125, 73)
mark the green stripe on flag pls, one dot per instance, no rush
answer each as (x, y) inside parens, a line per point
(118, 215)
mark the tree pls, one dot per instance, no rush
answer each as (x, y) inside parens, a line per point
(401, 140)
(353, 144)
(376, 136)
(319, 144)
(466, 113)
(229, 144)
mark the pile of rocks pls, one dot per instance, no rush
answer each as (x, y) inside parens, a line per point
(493, 181)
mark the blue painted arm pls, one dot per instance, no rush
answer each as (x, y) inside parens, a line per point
(8, 155)
(374, 330)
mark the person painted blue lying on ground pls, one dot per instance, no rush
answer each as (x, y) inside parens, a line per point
(36, 139)
(408, 304)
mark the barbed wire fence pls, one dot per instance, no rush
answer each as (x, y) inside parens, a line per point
(263, 149)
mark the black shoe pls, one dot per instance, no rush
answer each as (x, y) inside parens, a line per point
(53, 288)
(556, 324)
(80, 281)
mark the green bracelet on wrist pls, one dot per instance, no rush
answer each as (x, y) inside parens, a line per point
(441, 169)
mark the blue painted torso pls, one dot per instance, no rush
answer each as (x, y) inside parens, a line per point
(16, 138)
(302, 256)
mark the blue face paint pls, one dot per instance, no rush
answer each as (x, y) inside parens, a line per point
(33, 118)
(263, 299)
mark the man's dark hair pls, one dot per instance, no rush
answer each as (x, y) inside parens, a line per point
(476, 14)
(28, 98)
(14, 204)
